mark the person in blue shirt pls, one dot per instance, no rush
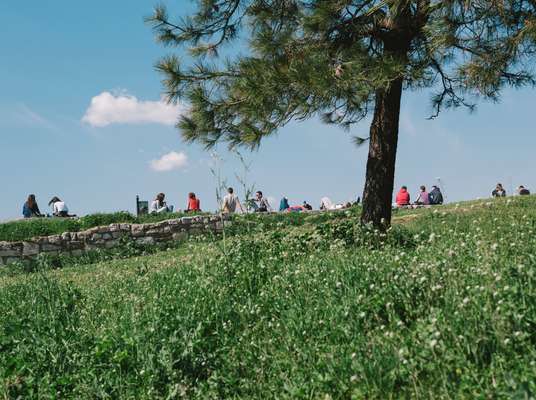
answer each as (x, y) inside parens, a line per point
(30, 208)
(283, 205)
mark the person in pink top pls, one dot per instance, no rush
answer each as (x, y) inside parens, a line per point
(402, 197)
(424, 198)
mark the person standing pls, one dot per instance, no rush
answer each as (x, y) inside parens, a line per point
(30, 208)
(231, 202)
(283, 204)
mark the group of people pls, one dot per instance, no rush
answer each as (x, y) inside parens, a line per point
(231, 202)
(30, 209)
(499, 191)
(423, 198)
(159, 204)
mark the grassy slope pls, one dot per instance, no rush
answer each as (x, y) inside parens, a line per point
(446, 308)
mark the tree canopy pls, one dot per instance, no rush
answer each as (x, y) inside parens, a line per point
(338, 59)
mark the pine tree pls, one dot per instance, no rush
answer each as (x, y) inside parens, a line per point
(340, 59)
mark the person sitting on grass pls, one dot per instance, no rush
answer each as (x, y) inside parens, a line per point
(435, 195)
(159, 204)
(307, 206)
(523, 191)
(423, 198)
(30, 208)
(231, 202)
(499, 191)
(402, 197)
(261, 203)
(193, 203)
(59, 208)
(283, 204)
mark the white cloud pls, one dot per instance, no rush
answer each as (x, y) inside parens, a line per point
(170, 161)
(107, 108)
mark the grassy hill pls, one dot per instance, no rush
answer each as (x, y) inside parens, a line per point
(296, 307)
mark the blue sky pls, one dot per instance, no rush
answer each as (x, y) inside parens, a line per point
(58, 56)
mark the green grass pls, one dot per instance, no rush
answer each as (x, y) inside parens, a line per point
(27, 229)
(444, 306)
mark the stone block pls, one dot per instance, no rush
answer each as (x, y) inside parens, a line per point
(111, 244)
(186, 220)
(50, 247)
(96, 236)
(66, 236)
(114, 227)
(117, 235)
(137, 230)
(107, 236)
(10, 252)
(125, 227)
(54, 239)
(145, 240)
(75, 245)
(30, 249)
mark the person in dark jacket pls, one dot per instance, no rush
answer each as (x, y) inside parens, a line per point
(435, 195)
(307, 206)
(499, 191)
(523, 191)
(30, 208)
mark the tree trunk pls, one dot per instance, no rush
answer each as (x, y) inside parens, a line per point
(378, 193)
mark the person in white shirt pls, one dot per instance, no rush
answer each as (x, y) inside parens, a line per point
(230, 202)
(159, 205)
(59, 208)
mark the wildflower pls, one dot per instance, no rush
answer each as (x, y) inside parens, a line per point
(433, 343)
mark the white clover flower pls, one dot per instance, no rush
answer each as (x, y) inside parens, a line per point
(353, 378)
(433, 343)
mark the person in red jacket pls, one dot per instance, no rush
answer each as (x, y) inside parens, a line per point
(402, 198)
(193, 203)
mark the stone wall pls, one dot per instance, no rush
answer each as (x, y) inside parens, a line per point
(107, 237)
